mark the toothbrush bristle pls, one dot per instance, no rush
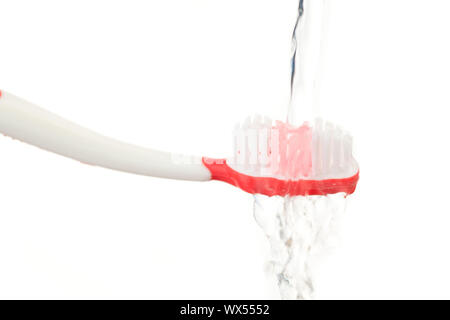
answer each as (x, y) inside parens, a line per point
(276, 149)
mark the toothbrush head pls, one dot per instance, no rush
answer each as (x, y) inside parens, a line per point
(278, 159)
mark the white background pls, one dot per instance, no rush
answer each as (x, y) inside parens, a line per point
(177, 75)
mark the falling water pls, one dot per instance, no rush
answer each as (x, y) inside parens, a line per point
(309, 39)
(301, 229)
(295, 48)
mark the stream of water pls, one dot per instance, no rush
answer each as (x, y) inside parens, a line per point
(301, 230)
(309, 39)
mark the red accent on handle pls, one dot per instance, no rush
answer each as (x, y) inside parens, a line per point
(221, 171)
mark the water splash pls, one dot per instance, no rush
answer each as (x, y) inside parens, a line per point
(300, 231)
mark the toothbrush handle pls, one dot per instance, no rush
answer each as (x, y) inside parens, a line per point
(26, 122)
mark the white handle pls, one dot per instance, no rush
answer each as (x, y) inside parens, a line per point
(26, 122)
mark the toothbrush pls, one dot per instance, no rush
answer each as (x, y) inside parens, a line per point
(273, 159)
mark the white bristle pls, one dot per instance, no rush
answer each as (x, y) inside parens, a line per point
(247, 123)
(258, 121)
(317, 146)
(326, 147)
(337, 149)
(274, 145)
(242, 147)
(318, 125)
(347, 152)
(263, 152)
(252, 141)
